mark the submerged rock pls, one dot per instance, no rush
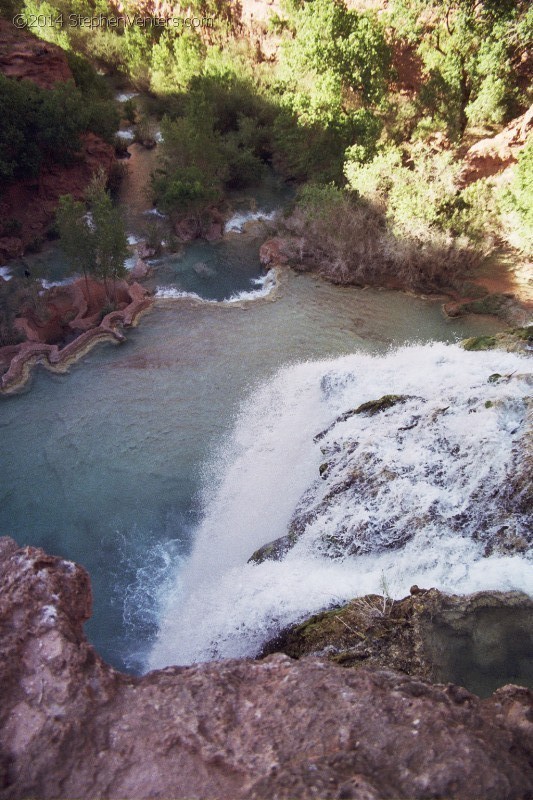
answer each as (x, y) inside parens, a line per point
(71, 726)
(513, 340)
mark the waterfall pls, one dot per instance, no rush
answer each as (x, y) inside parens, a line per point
(430, 487)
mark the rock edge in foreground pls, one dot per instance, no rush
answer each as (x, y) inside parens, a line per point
(71, 726)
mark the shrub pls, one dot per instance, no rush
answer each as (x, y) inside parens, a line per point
(43, 125)
(349, 240)
(516, 201)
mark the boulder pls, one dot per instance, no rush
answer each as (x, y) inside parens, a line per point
(492, 155)
(274, 252)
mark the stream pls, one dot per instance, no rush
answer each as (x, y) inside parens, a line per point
(135, 464)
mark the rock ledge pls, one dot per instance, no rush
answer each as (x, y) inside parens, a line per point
(72, 727)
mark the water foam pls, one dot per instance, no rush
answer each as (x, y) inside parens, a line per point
(221, 606)
(238, 222)
(267, 284)
(123, 97)
(65, 282)
(125, 133)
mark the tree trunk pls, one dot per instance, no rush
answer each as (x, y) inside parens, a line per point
(466, 91)
(87, 286)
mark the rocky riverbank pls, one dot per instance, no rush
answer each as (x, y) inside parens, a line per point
(71, 726)
(85, 321)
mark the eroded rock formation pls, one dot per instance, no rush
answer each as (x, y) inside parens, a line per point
(71, 726)
(25, 57)
(492, 155)
(474, 639)
(69, 310)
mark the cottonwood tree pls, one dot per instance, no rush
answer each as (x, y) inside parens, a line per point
(93, 236)
(473, 51)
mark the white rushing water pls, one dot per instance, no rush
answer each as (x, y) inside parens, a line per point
(5, 273)
(238, 222)
(126, 133)
(266, 285)
(413, 494)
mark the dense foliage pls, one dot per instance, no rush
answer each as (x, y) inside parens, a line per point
(42, 126)
(372, 108)
(475, 53)
(517, 201)
(93, 235)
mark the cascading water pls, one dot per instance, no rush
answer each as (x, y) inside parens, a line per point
(428, 488)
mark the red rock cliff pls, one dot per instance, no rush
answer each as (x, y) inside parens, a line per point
(33, 202)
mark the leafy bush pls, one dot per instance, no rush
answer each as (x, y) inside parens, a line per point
(40, 125)
(349, 240)
(516, 201)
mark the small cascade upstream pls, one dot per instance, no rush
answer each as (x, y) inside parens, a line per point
(428, 488)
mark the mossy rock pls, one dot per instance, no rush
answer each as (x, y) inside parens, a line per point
(479, 343)
(523, 334)
(491, 304)
(275, 550)
(436, 637)
(370, 408)
(512, 340)
(472, 290)
(373, 407)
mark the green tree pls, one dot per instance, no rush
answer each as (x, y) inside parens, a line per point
(332, 77)
(108, 232)
(176, 59)
(93, 236)
(473, 53)
(347, 50)
(516, 201)
(191, 166)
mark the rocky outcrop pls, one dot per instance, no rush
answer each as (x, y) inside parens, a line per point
(275, 252)
(475, 640)
(71, 726)
(19, 360)
(25, 57)
(490, 156)
(209, 227)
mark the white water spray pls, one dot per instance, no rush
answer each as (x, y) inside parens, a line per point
(238, 222)
(266, 286)
(457, 439)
